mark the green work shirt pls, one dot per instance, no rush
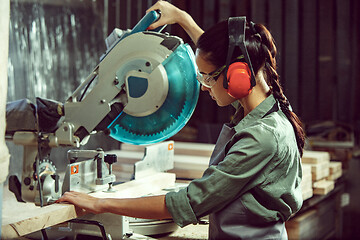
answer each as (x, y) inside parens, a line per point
(261, 168)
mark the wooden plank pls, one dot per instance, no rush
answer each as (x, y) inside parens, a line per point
(320, 170)
(19, 219)
(307, 193)
(323, 215)
(335, 175)
(182, 148)
(300, 225)
(140, 187)
(194, 149)
(335, 166)
(306, 169)
(323, 187)
(188, 174)
(306, 182)
(185, 166)
(315, 157)
(23, 218)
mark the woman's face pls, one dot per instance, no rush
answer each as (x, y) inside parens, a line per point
(217, 92)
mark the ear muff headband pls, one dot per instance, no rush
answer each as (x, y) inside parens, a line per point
(236, 28)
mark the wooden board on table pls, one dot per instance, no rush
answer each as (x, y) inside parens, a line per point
(23, 218)
(140, 187)
(319, 170)
(323, 187)
(19, 219)
(335, 175)
(185, 166)
(315, 157)
(180, 148)
(335, 167)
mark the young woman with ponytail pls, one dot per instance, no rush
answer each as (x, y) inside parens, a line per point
(252, 185)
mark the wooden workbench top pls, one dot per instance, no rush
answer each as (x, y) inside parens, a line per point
(20, 219)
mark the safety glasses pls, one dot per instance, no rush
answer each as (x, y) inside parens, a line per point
(209, 79)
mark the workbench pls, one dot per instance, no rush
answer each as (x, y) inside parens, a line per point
(20, 219)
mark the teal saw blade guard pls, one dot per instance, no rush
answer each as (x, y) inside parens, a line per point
(175, 112)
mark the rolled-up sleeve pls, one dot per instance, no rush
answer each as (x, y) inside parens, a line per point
(242, 168)
(179, 207)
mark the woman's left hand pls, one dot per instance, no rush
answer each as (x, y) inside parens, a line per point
(83, 201)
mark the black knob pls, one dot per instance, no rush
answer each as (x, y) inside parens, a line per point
(110, 158)
(27, 181)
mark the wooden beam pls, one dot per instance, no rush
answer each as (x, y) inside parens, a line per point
(23, 218)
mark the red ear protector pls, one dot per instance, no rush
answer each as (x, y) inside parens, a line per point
(239, 78)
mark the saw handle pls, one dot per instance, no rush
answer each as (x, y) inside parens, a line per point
(146, 21)
(144, 24)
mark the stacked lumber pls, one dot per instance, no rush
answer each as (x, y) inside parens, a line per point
(190, 160)
(319, 162)
(323, 171)
(323, 186)
(335, 170)
(318, 222)
(306, 182)
(180, 148)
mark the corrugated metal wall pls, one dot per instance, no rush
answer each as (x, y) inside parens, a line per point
(53, 48)
(54, 45)
(317, 42)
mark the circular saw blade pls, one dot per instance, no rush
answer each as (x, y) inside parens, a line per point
(175, 112)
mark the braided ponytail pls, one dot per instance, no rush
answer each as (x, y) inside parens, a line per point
(272, 79)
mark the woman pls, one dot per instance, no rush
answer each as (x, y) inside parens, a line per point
(252, 185)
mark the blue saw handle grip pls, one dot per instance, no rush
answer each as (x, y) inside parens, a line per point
(146, 21)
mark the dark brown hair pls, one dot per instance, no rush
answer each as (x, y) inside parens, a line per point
(262, 52)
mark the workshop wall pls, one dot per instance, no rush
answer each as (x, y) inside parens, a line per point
(54, 46)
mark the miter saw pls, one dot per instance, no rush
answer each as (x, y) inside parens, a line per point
(143, 91)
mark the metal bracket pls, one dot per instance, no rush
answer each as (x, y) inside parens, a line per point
(157, 158)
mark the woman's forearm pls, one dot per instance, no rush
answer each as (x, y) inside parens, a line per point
(153, 207)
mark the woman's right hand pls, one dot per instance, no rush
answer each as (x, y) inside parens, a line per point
(169, 14)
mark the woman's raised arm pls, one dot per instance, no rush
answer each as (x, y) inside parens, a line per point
(171, 14)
